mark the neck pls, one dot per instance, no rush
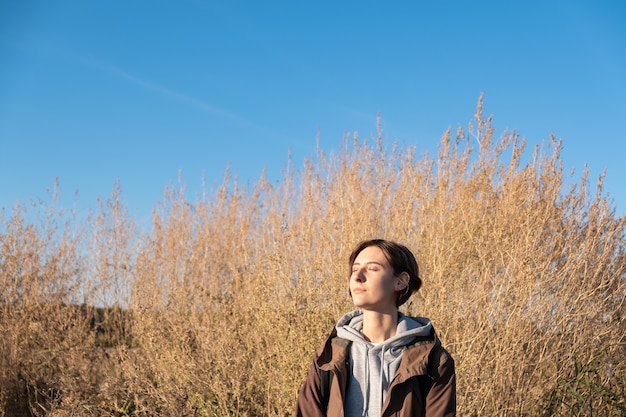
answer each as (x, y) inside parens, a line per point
(379, 326)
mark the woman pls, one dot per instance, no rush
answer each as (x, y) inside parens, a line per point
(378, 361)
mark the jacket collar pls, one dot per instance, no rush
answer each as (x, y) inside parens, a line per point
(334, 353)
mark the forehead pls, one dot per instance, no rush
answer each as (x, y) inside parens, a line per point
(371, 254)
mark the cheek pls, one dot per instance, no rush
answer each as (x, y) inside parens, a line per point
(390, 285)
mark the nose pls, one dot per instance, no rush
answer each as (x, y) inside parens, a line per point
(358, 275)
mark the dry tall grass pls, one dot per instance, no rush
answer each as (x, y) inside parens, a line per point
(217, 309)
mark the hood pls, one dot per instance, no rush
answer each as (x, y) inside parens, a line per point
(351, 324)
(375, 364)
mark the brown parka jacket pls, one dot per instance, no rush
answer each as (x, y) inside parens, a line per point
(424, 384)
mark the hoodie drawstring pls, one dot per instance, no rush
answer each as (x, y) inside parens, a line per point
(384, 373)
(366, 391)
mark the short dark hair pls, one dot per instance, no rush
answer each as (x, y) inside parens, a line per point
(401, 260)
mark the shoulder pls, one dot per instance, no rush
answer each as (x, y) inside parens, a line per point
(333, 350)
(428, 354)
(440, 362)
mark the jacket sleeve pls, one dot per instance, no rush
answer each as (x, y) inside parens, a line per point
(308, 403)
(441, 399)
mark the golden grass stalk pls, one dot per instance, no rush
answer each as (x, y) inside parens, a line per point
(217, 309)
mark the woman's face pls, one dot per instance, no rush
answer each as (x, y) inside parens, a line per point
(372, 282)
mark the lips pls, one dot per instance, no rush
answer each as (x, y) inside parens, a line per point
(358, 290)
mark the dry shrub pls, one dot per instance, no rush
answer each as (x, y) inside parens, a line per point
(216, 310)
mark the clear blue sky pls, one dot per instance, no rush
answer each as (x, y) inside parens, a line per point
(93, 92)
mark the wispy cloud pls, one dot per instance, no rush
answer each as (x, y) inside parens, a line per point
(53, 49)
(191, 101)
(168, 92)
(42, 47)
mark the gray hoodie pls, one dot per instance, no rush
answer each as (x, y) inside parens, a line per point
(373, 366)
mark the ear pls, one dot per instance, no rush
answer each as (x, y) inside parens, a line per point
(402, 281)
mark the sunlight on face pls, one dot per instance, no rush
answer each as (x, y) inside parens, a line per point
(372, 281)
